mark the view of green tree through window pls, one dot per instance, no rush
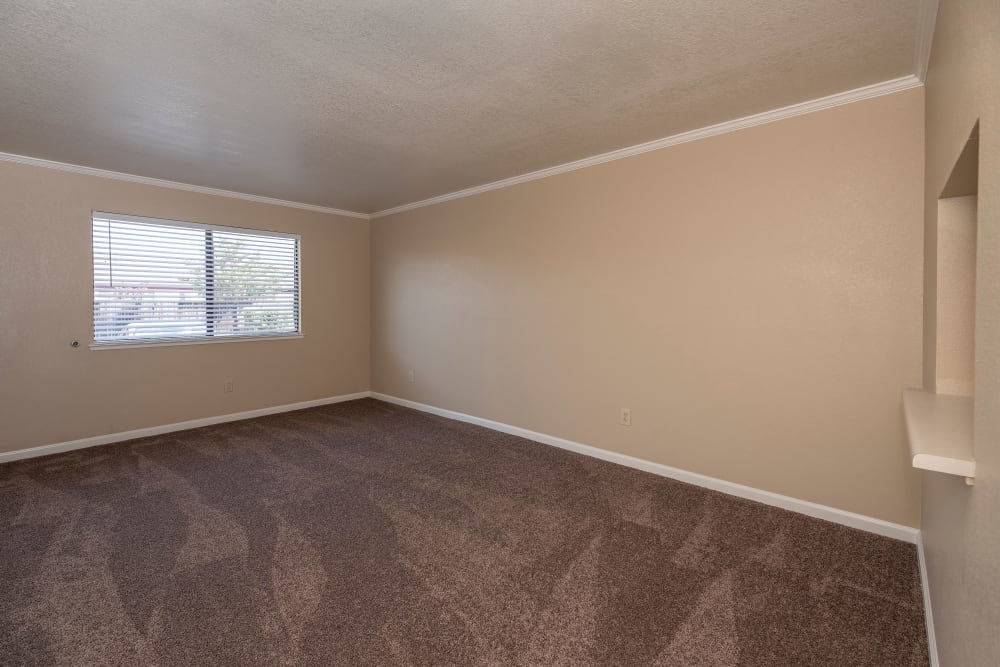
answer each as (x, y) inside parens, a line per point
(167, 281)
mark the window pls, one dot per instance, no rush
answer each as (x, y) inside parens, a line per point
(162, 281)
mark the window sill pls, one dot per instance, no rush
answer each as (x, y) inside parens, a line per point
(195, 341)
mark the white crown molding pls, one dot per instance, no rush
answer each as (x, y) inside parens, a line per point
(173, 185)
(925, 33)
(847, 97)
(842, 517)
(926, 18)
(121, 436)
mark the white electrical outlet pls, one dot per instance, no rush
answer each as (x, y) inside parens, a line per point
(626, 417)
(229, 386)
(412, 376)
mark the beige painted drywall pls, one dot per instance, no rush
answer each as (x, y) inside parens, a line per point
(51, 392)
(956, 295)
(961, 525)
(754, 298)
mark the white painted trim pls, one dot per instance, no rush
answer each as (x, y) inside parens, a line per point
(173, 185)
(107, 216)
(845, 518)
(945, 464)
(850, 519)
(928, 616)
(856, 95)
(192, 341)
(60, 447)
(926, 19)
(925, 34)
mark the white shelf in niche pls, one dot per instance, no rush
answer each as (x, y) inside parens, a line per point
(940, 432)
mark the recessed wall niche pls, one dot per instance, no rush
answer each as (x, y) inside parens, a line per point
(939, 419)
(956, 275)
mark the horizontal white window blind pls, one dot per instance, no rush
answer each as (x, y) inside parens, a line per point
(162, 281)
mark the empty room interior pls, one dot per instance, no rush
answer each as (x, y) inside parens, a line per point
(659, 333)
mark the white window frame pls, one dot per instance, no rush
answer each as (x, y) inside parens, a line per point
(212, 339)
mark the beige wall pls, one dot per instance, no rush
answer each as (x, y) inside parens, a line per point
(961, 525)
(956, 296)
(754, 298)
(50, 392)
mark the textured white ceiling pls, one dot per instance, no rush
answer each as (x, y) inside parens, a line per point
(369, 104)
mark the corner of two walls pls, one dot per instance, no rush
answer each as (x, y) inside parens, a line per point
(52, 393)
(959, 523)
(754, 299)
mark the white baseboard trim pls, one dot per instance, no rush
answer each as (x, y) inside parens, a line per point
(45, 450)
(843, 517)
(928, 615)
(850, 519)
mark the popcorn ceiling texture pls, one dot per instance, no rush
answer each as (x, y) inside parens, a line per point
(368, 534)
(365, 106)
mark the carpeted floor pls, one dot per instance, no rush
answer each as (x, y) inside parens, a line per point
(368, 534)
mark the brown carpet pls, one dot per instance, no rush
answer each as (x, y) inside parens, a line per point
(369, 534)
